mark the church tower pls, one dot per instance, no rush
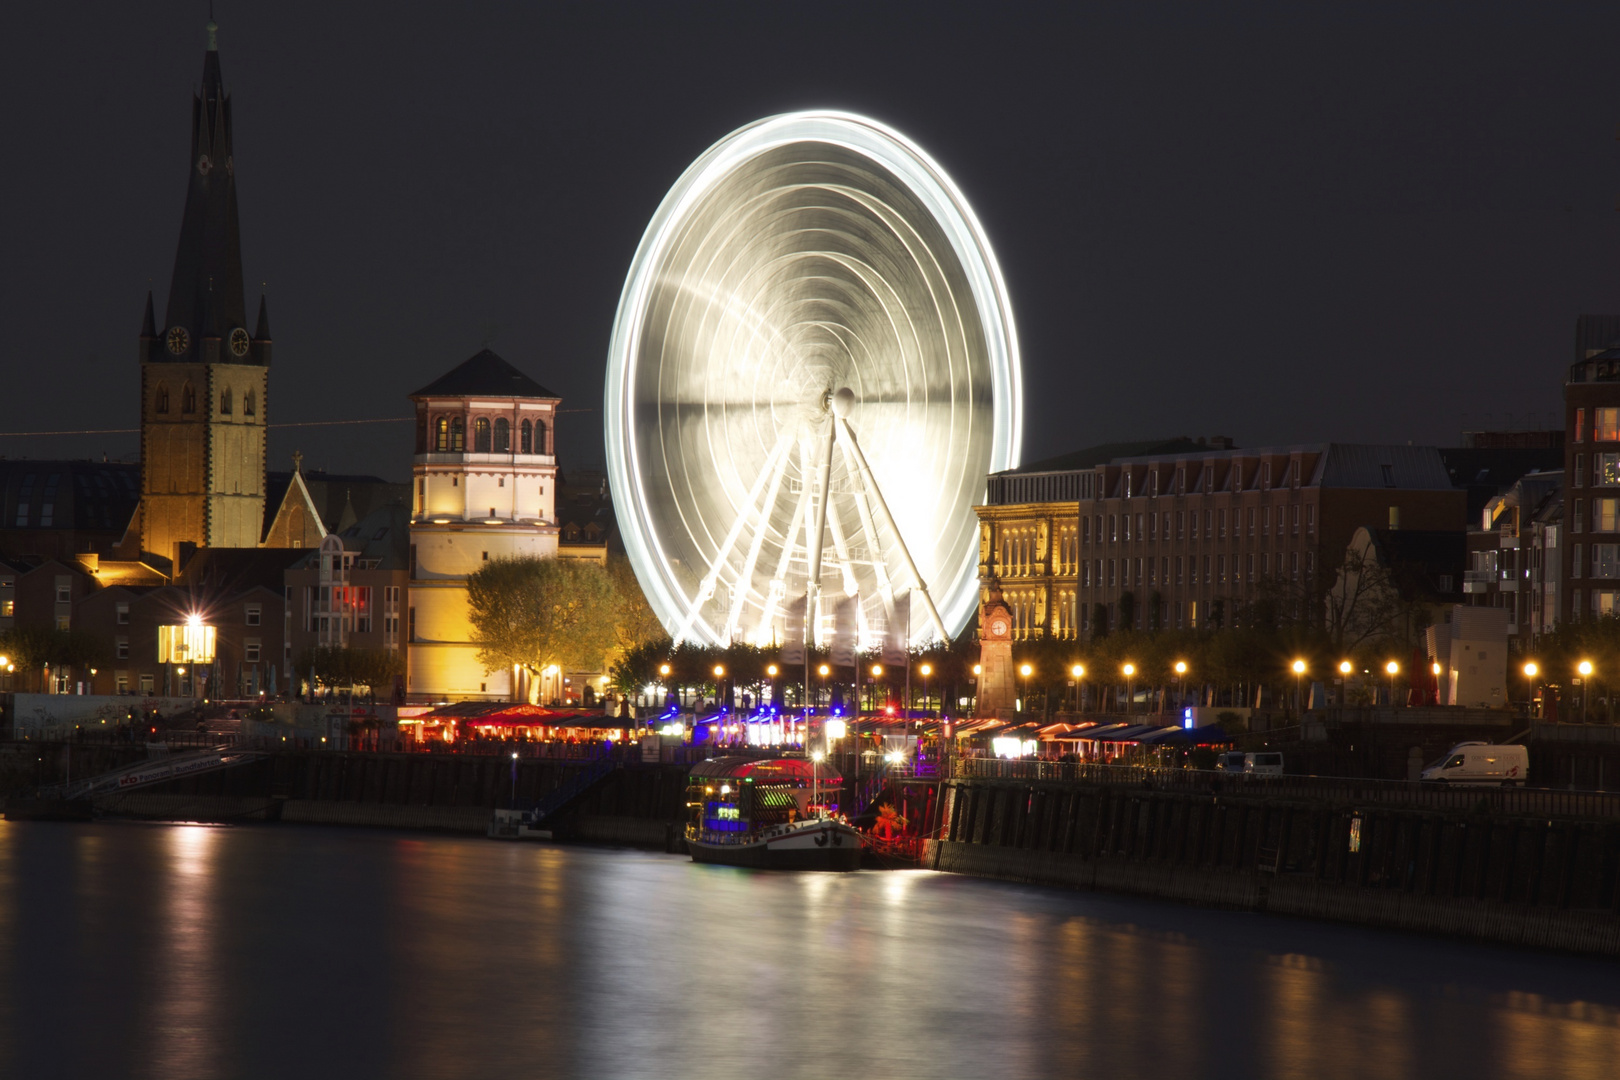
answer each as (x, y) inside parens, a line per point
(204, 377)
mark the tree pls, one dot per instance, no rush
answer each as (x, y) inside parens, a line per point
(532, 613)
(635, 624)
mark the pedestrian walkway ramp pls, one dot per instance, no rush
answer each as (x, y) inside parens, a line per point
(152, 772)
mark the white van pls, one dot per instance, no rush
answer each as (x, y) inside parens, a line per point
(1230, 760)
(1477, 763)
(1269, 764)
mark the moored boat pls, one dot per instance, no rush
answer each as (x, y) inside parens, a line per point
(769, 814)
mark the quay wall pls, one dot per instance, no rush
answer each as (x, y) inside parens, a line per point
(1545, 882)
(634, 804)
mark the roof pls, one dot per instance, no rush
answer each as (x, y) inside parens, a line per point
(765, 770)
(233, 570)
(81, 495)
(382, 539)
(1426, 565)
(1103, 453)
(484, 375)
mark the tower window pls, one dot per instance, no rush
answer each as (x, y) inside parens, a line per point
(441, 434)
(248, 404)
(540, 437)
(160, 400)
(503, 436)
(481, 435)
(458, 435)
(188, 399)
(526, 437)
(225, 402)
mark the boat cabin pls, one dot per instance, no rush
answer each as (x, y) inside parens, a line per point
(742, 794)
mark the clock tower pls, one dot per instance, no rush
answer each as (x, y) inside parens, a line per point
(998, 687)
(204, 376)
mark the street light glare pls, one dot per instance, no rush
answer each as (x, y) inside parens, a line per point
(1181, 667)
(877, 669)
(771, 671)
(1530, 669)
(719, 672)
(1585, 668)
(1392, 667)
(824, 669)
(1025, 670)
(1345, 667)
(1129, 670)
(926, 670)
(1299, 667)
(1077, 671)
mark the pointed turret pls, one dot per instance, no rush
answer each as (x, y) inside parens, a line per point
(205, 295)
(149, 324)
(261, 334)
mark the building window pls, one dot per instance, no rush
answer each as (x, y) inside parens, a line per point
(1580, 437)
(1296, 519)
(1606, 425)
(1113, 528)
(253, 614)
(121, 613)
(441, 434)
(250, 650)
(1111, 573)
(411, 622)
(248, 403)
(481, 435)
(160, 399)
(1178, 569)
(1222, 532)
(1605, 561)
(1293, 565)
(458, 435)
(503, 436)
(1577, 522)
(225, 402)
(1251, 522)
(540, 437)
(1251, 567)
(146, 685)
(188, 399)
(64, 590)
(64, 622)
(1580, 470)
(1605, 469)
(1606, 515)
(121, 648)
(1310, 520)
(526, 438)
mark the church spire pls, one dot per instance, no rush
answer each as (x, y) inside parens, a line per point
(205, 295)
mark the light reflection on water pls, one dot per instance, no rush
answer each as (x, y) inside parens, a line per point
(183, 951)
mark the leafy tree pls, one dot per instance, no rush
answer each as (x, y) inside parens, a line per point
(338, 668)
(635, 624)
(532, 612)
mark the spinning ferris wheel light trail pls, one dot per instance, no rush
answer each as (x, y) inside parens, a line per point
(810, 278)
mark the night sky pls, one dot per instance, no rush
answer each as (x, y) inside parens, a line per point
(1250, 221)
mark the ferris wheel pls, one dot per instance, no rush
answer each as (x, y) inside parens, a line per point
(812, 370)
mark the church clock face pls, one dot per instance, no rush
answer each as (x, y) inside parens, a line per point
(239, 342)
(179, 340)
(998, 627)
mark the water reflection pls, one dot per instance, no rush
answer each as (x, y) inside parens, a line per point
(273, 952)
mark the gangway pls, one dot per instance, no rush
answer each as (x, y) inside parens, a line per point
(152, 772)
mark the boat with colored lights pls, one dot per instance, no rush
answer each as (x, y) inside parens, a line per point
(768, 814)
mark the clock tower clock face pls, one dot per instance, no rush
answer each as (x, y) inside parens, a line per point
(998, 627)
(239, 342)
(179, 341)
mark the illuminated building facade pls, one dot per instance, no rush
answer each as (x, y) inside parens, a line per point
(1183, 534)
(484, 487)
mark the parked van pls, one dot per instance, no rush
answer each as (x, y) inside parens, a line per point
(1268, 764)
(1230, 760)
(1477, 763)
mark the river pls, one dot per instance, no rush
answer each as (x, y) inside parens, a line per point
(294, 952)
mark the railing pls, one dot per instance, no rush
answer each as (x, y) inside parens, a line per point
(1439, 796)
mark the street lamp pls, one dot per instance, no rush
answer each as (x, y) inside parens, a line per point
(1585, 668)
(1530, 670)
(1079, 672)
(1393, 668)
(1025, 670)
(1129, 670)
(925, 670)
(1181, 672)
(1299, 674)
(824, 671)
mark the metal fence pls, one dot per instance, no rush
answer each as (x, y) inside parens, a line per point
(1519, 800)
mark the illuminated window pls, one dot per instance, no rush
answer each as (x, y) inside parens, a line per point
(458, 435)
(1606, 515)
(1580, 431)
(1605, 469)
(441, 434)
(1606, 425)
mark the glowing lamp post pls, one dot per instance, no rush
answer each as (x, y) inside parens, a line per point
(1299, 676)
(1025, 670)
(1129, 671)
(1394, 669)
(1079, 672)
(1585, 668)
(1181, 674)
(1530, 671)
(925, 670)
